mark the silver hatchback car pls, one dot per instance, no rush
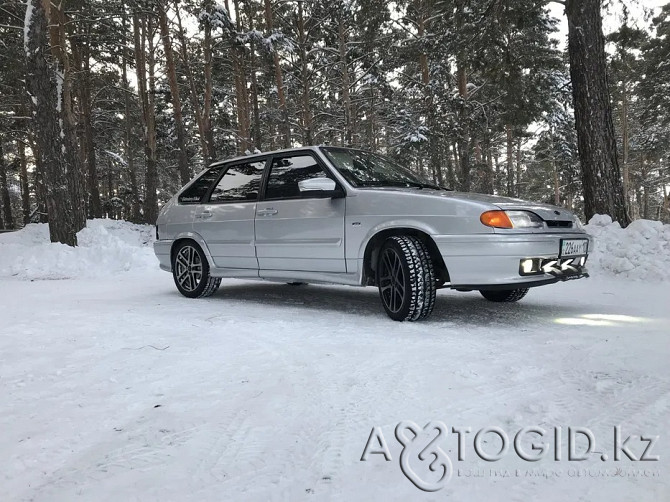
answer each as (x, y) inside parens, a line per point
(344, 216)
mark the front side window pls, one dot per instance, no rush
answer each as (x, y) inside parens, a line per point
(240, 183)
(195, 193)
(286, 172)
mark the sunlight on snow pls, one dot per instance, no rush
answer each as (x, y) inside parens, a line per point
(600, 320)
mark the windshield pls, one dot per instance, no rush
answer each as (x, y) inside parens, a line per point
(366, 169)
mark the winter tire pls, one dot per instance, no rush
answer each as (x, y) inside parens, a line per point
(406, 279)
(190, 271)
(504, 295)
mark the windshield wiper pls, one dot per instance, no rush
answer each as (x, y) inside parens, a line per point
(417, 184)
(408, 184)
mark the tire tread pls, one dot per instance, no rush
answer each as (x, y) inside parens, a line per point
(506, 295)
(421, 280)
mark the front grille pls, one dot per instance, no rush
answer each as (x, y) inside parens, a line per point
(559, 224)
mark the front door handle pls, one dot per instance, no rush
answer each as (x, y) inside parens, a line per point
(204, 215)
(268, 211)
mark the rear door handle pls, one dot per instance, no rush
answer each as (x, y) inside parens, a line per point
(268, 211)
(204, 215)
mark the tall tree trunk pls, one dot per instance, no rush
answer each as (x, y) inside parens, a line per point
(489, 176)
(434, 145)
(373, 140)
(601, 179)
(517, 188)
(45, 84)
(143, 34)
(110, 194)
(4, 192)
(39, 180)
(644, 183)
(127, 140)
(308, 133)
(75, 173)
(464, 136)
(279, 81)
(497, 178)
(346, 82)
(182, 153)
(93, 202)
(554, 168)
(451, 174)
(241, 93)
(625, 140)
(207, 106)
(208, 153)
(510, 160)
(457, 163)
(257, 137)
(25, 187)
(151, 199)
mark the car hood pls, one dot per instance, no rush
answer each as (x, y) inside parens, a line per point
(547, 212)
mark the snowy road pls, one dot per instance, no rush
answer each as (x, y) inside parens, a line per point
(120, 389)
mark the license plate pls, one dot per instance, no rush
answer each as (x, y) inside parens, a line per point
(574, 247)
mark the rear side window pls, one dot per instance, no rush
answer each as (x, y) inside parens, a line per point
(241, 183)
(195, 193)
(286, 172)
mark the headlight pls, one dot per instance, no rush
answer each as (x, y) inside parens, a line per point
(511, 219)
(525, 219)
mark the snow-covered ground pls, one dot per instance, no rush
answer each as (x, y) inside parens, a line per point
(640, 252)
(106, 247)
(114, 387)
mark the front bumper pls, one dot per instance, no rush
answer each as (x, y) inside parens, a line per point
(491, 261)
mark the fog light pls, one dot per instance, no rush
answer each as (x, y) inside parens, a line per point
(527, 266)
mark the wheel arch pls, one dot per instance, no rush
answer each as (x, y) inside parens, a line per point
(376, 241)
(194, 237)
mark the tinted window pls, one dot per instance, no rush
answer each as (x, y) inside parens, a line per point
(195, 193)
(240, 183)
(286, 172)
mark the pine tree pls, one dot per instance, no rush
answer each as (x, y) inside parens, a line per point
(45, 81)
(602, 184)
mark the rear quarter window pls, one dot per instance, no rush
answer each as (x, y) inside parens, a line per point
(195, 193)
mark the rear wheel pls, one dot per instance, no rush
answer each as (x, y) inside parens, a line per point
(190, 271)
(505, 295)
(406, 279)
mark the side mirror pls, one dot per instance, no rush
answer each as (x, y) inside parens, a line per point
(320, 187)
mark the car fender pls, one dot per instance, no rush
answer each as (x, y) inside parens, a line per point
(391, 224)
(197, 238)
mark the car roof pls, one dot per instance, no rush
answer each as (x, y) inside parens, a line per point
(265, 154)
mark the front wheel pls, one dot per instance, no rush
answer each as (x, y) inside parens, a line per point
(190, 271)
(504, 295)
(406, 279)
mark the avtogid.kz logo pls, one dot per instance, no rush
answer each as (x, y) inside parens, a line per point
(427, 465)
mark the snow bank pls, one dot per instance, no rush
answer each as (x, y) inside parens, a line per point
(640, 251)
(106, 247)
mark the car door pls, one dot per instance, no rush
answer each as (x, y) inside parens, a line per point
(295, 231)
(226, 220)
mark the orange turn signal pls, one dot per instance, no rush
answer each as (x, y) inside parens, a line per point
(496, 219)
